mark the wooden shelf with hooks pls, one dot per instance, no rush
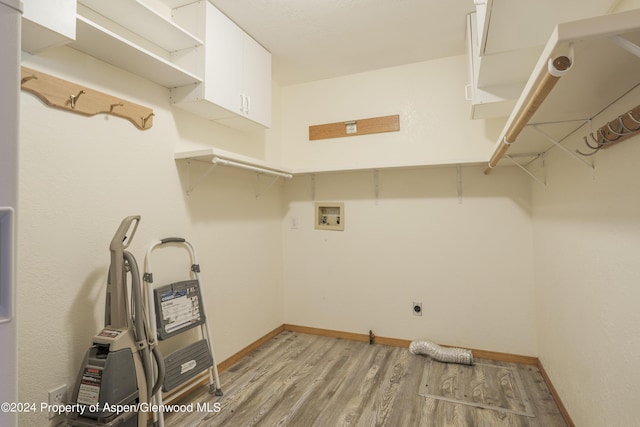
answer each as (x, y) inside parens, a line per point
(618, 130)
(75, 98)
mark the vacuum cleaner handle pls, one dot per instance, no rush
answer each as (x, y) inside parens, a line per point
(116, 304)
(124, 234)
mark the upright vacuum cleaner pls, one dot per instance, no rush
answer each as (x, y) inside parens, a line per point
(123, 368)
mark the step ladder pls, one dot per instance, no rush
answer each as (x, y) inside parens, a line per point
(172, 310)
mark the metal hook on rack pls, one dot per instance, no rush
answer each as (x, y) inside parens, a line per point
(622, 131)
(74, 98)
(27, 78)
(614, 131)
(144, 120)
(623, 126)
(595, 149)
(600, 141)
(607, 140)
(601, 138)
(633, 119)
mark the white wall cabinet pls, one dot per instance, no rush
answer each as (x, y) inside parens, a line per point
(47, 23)
(125, 33)
(489, 101)
(256, 71)
(131, 35)
(236, 70)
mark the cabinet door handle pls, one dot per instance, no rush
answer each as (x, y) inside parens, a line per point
(245, 103)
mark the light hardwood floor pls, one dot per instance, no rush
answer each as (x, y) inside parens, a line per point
(297, 379)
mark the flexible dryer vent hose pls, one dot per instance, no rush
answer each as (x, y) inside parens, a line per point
(442, 354)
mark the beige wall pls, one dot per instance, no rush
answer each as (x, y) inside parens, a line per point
(587, 233)
(576, 238)
(80, 176)
(434, 118)
(622, 5)
(469, 263)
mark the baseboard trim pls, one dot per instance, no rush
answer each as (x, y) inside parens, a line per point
(396, 342)
(327, 332)
(556, 396)
(505, 357)
(225, 364)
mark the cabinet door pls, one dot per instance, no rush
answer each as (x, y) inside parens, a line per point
(223, 61)
(235, 68)
(257, 81)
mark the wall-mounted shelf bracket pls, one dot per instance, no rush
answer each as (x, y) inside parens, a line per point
(260, 192)
(566, 150)
(627, 45)
(192, 184)
(376, 184)
(75, 98)
(542, 181)
(216, 157)
(215, 162)
(312, 184)
(459, 183)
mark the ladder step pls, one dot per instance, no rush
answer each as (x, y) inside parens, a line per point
(186, 363)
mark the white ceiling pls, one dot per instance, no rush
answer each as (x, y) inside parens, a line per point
(319, 39)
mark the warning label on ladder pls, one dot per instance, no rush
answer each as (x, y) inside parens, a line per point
(180, 309)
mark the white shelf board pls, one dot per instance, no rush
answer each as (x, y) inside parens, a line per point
(176, 3)
(146, 22)
(601, 74)
(35, 37)
(380, 167)
(114, 49)
(510, 38)
(207, 155)
(510, 26)
(47, 24)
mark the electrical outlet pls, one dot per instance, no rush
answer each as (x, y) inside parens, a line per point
(417, 309)
(57, 396)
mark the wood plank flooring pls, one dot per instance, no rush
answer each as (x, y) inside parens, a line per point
(297, 379)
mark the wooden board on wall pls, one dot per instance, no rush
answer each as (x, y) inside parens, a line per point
(72, 97)
(355, 127)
